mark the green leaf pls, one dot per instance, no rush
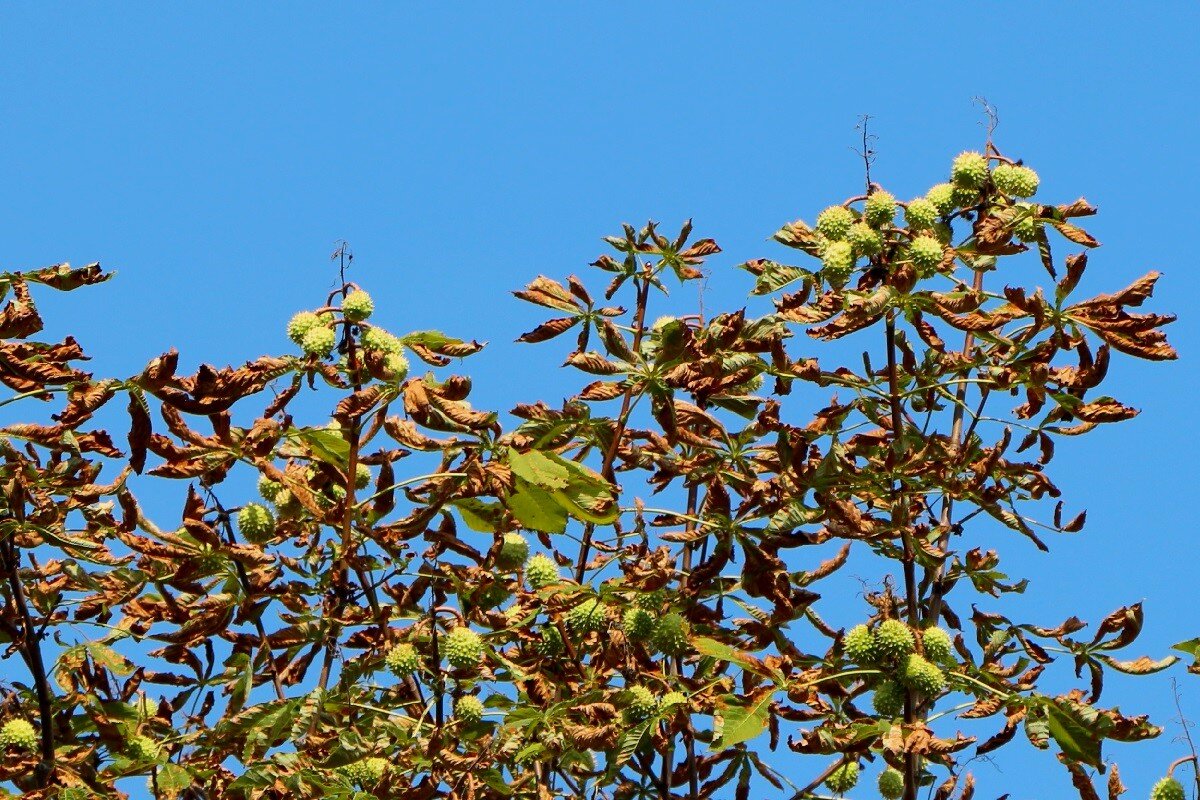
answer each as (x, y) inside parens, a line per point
(743, 719)
(535, 509)
(711, 647)
(108, 658)
(587, 495)
(478, 515)
(1072, 736)
(172, 779)
(328, 445)
(539, 469)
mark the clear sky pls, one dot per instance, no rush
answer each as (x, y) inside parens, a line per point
(213, 153)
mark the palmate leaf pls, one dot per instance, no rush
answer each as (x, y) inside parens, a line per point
(535, 508)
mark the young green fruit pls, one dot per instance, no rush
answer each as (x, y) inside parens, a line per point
(942, 197)
(842, 779)
(378, 339)
(651, 601)
(638, 624)
(937, 644)
(922, 676)
(969, 170)
(367, 772)
(469, 709)
(318, 342)
(268, 488)
(590, 615)
(891, 784)
(301, 324)
(1167, 789)
(142, 748)
(1026, 229)
(255, 522)
(833, 222)
(838, 259)
(888, 700)
(402, 660)
(641, 703)
(1015, 181)
(672, 699)
(551, 643)
(463, 648)
(859, 645)
(357, 306)
(362, 476)
(879, 209)
(865, 240)
(395, 367)
(926, 254)
(893, 640)
(19, 734)
(514, 551)
(541, 571)
(671, 635)
(920, 214)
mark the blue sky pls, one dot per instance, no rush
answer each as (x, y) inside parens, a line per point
(213, 154)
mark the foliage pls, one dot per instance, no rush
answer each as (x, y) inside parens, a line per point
(384, 632)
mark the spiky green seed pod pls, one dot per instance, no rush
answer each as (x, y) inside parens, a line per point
(541, 571)
(922, 676)
(590, 615)
(865, 240)
(888, 700)
(842, 779)
(362, 476)
(300, 324)
(492, 596)
(672, 699)
(357, 306)
(318, 342)
(997, 640)
(941, 231)
(332, 495)
(671, 635)
(893, 640)
(833, 222)
(551, 643)
(1167, 789)
(651, 601)
(879, 209)
(268, 488)
(891, 784)
(1015, 181)
(402, 659)
(937, 644)
(255, 522)
(838, 258)
(395, 367)
(19, 734)
(1026, 229)
(367, 772)
(942, 197)
(374, 338)
(142, 748)
(925, 252)
(638, 624)
(514, 551)
(920, 214)
(964, 197)
(469, 709)
(641, 703)
(969, 170)
(859, 645)
(463, 648)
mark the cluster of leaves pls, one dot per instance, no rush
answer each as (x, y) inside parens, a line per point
(514, 616)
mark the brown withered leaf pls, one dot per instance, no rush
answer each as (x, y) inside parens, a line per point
(549, 329)
(601, 390)
(549, 293)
